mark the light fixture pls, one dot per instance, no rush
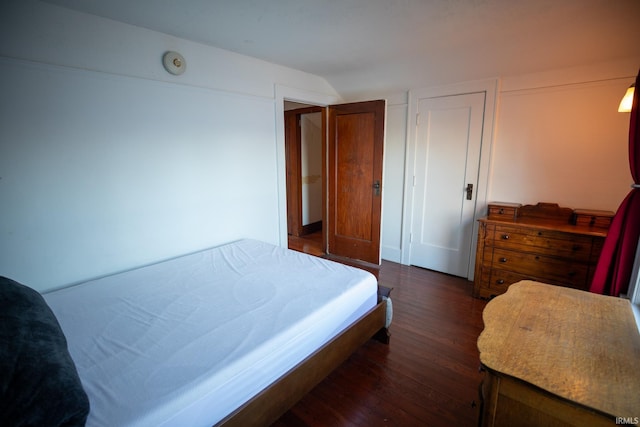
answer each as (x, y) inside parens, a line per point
(627, 100)
(174, 63)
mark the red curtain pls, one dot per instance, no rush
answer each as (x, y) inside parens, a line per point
(614, 268)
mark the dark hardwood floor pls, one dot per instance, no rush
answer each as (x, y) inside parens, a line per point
(427, 376)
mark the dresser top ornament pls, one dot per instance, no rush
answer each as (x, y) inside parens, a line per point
(550, 213)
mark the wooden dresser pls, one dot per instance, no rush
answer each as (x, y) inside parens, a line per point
(554, 356)
(542, 242)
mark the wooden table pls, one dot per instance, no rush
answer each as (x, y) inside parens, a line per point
(557, 356)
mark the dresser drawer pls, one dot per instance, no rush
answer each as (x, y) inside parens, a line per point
(503, 212)
(494, 281)
(541, 242)
(544, 268)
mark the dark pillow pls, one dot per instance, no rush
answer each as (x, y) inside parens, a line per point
(39, 383)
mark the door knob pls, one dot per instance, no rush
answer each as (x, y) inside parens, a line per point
(469, 191)
(376, 188)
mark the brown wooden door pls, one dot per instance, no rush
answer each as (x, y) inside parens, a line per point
(292, 150)
(356, 139)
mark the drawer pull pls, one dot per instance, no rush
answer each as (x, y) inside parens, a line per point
(576, 247)
(503, 259)
(505, 237)
(500, 282)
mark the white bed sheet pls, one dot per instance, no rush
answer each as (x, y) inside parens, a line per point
(186, 341)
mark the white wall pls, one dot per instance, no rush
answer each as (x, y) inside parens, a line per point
(311, 167)
(560, 139)
(393, 176)
(107, 162)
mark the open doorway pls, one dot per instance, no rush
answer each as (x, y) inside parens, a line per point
(351, 178)
(305, 174)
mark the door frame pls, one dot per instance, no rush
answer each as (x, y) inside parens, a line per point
(294, 166)
(287, 93)
(490, 87)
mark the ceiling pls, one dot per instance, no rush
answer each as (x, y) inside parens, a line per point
(396, 44)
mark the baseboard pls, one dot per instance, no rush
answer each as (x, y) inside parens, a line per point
(311, 228)
(390, 253)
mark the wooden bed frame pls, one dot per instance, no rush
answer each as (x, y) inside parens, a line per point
(267, 406)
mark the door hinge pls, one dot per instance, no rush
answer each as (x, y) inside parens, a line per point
(414, 180)
(417, 119)
(410, 237)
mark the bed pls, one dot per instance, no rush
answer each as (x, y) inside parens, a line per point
(232, 335)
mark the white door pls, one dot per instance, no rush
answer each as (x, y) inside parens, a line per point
(448, 145)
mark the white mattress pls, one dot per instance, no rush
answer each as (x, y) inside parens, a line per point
(186, 341)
